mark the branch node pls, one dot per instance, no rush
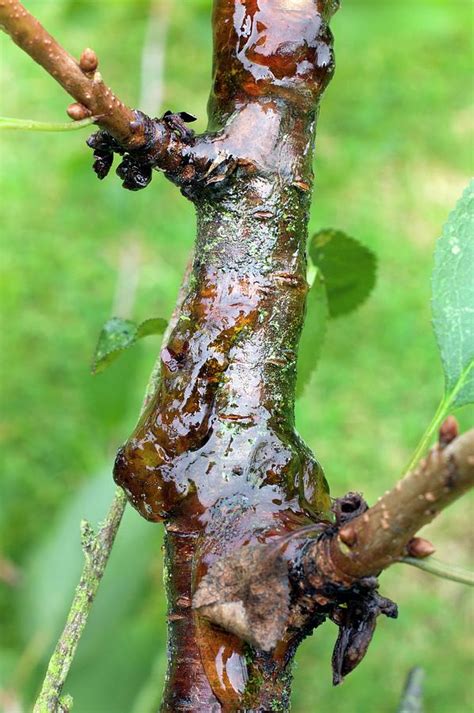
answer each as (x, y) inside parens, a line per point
(348, 536)
(88, 538)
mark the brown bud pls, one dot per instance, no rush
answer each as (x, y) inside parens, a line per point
(348, 535)
(88, 61)
(448, 431)
(419, 547)
(78, 111)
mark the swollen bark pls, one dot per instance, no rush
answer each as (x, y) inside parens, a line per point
(216, 455)
(256, 557)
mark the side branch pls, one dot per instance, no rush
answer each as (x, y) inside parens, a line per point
(81, 80)
(377, 538)
(97, 548)
(331, 569)
(144, 143)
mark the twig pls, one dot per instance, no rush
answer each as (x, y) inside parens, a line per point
(97, 548)
(143, 143)
(80, 79)
(412, 699)
(377, 538)
(440, 569)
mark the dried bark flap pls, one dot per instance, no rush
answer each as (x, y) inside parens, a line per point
(248, 595)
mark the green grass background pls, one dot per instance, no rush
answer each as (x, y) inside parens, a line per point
(394, 152)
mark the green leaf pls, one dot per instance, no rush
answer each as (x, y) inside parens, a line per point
(116, 336)
(314, 332)
(453, 300)
(29, 125)
(155, 325)
(119, 334)
(348, 268)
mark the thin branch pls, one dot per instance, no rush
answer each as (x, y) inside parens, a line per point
(144, 143)
(80, 79)
(376, 539)
(412, 699)
(97, 548)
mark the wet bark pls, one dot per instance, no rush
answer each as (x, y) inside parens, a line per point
(216, 455)
(256, 555)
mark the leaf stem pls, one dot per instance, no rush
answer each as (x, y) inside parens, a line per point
(30, 125)
(440, 569)
(446, 403)
(427, 437)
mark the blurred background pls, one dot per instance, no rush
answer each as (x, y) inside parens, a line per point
(394, 152)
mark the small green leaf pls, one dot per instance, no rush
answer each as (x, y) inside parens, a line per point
(29, 125)
(453, 300)
(116, 336)
(119, 334)
(348, 268)
(314, 332)
(155, 325)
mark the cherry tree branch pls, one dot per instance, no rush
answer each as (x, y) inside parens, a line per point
(165, 144)
(80, 79)
(331, 569)
(378, 537)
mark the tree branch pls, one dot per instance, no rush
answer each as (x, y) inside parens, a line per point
(377, 538)
(165, 144)
(215, 454)
(331, 569)
(97, 548)
(80, 79)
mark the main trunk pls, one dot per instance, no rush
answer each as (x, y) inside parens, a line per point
(216, 456)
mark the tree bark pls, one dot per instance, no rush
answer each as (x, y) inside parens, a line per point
(216, 455)
(256, 556)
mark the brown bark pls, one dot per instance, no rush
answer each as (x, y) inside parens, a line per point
(215, 455)
(379, 537)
